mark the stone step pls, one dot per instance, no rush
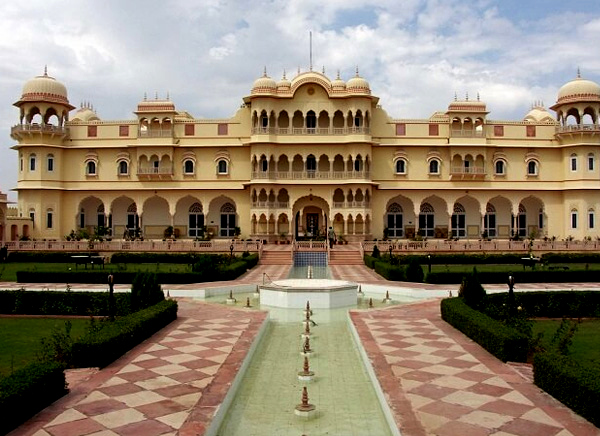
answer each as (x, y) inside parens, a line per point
(276, 258)
(345, 258)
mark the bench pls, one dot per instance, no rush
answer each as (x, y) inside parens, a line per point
(84, 260)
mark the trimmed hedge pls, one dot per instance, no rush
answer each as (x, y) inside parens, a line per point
(62, 303)
(503, 342)
(370, 261)
(575, 385)
(570, 257)
(528, 276)
(555, 304)
(182, 258)
(28, 390)
(45, 256)
(390, 272)
(113, 339)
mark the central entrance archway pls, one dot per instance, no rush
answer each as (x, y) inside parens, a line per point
(311, 217)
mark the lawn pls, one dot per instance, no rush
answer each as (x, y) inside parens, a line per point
(506, 268)
(20, 338)
(586, 341)
(8, 271)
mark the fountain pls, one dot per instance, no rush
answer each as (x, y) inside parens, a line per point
(307, 310)
(247, 302)
(306, 374)
(370, 303)
(360, 292)
(305, 409)
(256, 292)
(387, 298)
(306, 333)
(231, 299)
(306, 351)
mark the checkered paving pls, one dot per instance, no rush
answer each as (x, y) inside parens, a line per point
(155, 390)
(453, 386)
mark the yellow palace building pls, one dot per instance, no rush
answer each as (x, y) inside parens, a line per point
(304, 154)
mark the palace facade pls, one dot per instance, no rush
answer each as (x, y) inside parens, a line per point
(304, 154)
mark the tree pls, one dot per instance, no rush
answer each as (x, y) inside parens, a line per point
(414, 272)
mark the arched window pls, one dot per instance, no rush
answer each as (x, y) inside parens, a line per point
(459, 228)
(123, 168)
(573, 162)
(400, 166)
(188, 166)
(195, 221)
(82, 218)
(395, 227)
(101, 218)
(264, 164)
(227, 220)
(532, 168)
(426, 220)
(32, 162)
(311, 121)
(522, 221)
(489, 221)
(133, 220)
(222, 167)
(90, 168)
(32, 217)
(591, 219)
(500, 168)
(434, 166)
(573, 218)
(50, 163)
(311, 164)
(591, 162)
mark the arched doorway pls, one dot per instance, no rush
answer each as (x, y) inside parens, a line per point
(311, 217)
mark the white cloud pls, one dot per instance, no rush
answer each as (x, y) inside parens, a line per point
(207, 53)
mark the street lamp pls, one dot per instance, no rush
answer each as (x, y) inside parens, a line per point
(511, 295)
(111, 297)
(429, 263)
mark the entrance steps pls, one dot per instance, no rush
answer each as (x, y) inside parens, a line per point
(345, 257)
(276, 256)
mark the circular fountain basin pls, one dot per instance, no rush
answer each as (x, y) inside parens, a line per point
(321, 293)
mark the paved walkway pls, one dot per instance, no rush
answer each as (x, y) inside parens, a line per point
(437, 381)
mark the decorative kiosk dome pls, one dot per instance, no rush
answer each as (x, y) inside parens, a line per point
(578, 89)
(358, 85)
(264, 85)
(44, 88)
(284, 84)
(338, 84)
(538, 113)
(85, 113)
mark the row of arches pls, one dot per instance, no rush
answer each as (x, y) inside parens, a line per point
(577, 116)
(283, 166)
(310, 121)
(50, 116)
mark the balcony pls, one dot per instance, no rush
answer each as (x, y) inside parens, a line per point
(467, 173)
(311, 131)
(270, 205)
(351, 204)
(459, 133)
(21, 131)
(155, 133)
(155, 173)
(310, 175)
(578, 130)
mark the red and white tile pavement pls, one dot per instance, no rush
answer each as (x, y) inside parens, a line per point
(171, 384)
(438, 382)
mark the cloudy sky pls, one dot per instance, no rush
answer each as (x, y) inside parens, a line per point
(206, 53)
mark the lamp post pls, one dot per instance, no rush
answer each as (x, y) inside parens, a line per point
(111, 297)
(511, 295)
(391, 249)
(429, 263)
(231, 251)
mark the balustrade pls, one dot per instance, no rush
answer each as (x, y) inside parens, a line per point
(311, 174)
(362, 130)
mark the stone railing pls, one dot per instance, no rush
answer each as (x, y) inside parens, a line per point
(310, 246)
(578, 128)
(311, 131)
(311, 174)
(215, 245)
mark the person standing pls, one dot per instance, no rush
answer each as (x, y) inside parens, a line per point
(331, 237)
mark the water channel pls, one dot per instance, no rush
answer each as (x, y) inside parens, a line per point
(345, 398)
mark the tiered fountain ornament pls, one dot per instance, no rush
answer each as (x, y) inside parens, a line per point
(306, 374)
(308, 310)
(305, 409)
(307, 320)
(256, 292)
(306, 333)
(360, 292)
(306, 350)
(370, 303)
(248, 303)
(387, 299)
(231, 299)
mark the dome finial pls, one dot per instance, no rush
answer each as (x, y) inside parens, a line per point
(284, 78)
(357, 71)
(338, 74)
(46, 70)
(155, 95)
(478, 96)
(168, 97)
(145, 96)
(467, 96)
(265, 71)
(323, 69)
(578, 73)
(455, 96)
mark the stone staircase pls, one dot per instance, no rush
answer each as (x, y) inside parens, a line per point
(345, 256)
(272, 256)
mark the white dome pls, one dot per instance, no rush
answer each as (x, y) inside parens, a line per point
(539, 114)
(358, 85)
(44, 88)
(264, 84)
(579, 90)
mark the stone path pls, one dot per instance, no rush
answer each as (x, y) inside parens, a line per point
(441, 383)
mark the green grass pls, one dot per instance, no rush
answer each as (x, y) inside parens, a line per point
(506, 268)
(20, 338)
(8, 271)
(586, 341)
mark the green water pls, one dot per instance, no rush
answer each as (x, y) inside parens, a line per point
(301, 272)
(344, 397)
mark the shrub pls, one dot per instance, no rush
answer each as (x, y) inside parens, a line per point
(390, 272)
(369, 261)
(556, 304)
(145, 291)
(528, 276)
(472, 291)
(102, 345)
(414, 272)
(61, 303)
(181, 258)
(376, 254)
(573, 384)
(29, 390)
(503, 342)
(44, 256)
